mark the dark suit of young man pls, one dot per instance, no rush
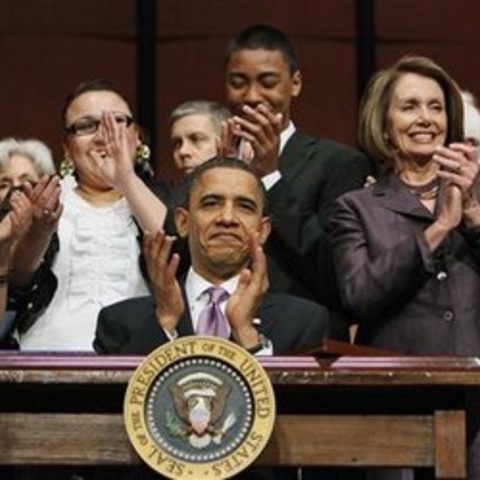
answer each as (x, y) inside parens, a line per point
(313, 174)
(303, 175)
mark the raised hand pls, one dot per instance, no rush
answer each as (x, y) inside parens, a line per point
(459, 167)
(30, 249)
(162, 272)
(261, 128)
(231, 145)
(47, 209)
(451, 210)
(245, 301)
(17, 222)
(115, 164)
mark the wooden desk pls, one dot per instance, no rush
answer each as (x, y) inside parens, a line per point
(347, 411)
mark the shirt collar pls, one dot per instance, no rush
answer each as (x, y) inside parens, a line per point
(286, 134)
(195, 285)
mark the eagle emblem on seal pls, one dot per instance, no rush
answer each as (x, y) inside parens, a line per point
(200, 399)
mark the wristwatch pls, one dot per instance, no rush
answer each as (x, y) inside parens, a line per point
(264, 343)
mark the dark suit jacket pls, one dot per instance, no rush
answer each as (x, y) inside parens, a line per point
(405, 297)
(130, 327)
(314, 173)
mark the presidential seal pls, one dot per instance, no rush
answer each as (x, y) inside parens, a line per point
(199, 408)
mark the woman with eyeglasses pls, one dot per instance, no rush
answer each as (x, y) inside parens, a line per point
(108, 200)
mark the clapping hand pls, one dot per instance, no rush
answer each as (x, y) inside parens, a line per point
(47, 209)
(231, 145)
(259, 131)
(115, 163)
(460, 170)
(17, 222)
(244, 302)
(162, 272)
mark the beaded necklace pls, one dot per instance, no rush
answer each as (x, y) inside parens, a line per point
(427, 191)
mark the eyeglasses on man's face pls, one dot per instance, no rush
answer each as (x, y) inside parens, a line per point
(89, 125)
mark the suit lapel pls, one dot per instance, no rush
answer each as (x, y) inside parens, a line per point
(295, 154)
(395, 196)
(185, 324)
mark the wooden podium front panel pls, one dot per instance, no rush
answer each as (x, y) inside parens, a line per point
(64, 439)
(345, 411)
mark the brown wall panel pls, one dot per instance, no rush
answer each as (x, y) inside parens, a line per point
(61, 42)
(47, 46)
(441, 20)
(191, 46)
(302, 17)
(444, 30)
(38, 79)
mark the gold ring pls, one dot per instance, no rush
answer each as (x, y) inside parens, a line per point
(459, 168)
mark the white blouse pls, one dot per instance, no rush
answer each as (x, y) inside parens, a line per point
(97, 265)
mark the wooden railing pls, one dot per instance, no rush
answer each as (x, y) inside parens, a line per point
(332, 411)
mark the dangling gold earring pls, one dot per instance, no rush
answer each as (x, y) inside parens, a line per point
(142, 160)
(142, 154)
(67, 167)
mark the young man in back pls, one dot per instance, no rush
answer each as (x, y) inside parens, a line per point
(303, 175)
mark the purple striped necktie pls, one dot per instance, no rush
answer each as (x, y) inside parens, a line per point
(212, 320)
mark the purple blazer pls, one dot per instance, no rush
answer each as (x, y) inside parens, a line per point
(403, 296)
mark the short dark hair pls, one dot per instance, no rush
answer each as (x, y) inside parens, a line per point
(218, 162)
(89, 85)
(264, 37)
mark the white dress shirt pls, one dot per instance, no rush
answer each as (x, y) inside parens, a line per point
(195, 289)
(272, 178)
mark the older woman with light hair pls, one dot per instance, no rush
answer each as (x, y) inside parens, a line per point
(21, 161)
(25, 169)
(27, 165)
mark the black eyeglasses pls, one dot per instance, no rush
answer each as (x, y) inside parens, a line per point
(89, 125)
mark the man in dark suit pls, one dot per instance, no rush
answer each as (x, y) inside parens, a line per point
(223, 218)
(303, 175)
